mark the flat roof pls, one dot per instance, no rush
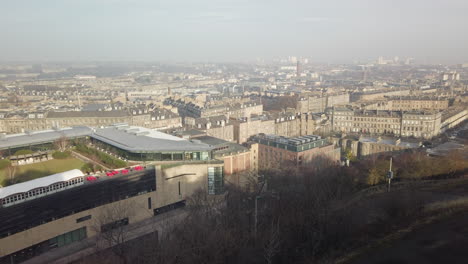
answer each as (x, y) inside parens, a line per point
(44, 136)
(390, 141)
(139, 139)
(218, 143)
(38, 183)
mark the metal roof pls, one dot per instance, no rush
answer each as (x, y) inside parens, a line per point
(139, 139)
(38, 183)
(45, 136)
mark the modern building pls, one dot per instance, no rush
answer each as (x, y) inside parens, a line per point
(40, 140)
(143, 144)
(54, 211)
(276, 151)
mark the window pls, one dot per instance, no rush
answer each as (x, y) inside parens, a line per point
(149, 202)
(68, 238)
(84, 218)
(179, 187)
(114, 225)
(215, 180)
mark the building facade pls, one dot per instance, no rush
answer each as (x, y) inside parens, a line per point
(423, 124)
(275, 151)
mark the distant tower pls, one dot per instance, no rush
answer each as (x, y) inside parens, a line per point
(169, 92)
(298, 68)
(126, 96)
(364, 74)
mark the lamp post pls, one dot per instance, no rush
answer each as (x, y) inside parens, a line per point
(389, 175)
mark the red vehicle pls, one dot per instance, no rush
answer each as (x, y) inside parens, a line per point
(138, 168)
(109, 173)
(124, 171)
(91, 178)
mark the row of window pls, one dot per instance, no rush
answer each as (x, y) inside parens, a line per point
(367, 125)
(40, 191)
(68, 238)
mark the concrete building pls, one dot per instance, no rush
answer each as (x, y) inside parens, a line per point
(54, 211)
(275, 151)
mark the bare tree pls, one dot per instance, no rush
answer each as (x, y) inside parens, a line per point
(111, 228)
(272, 244)
(11, 172)
(62, 143)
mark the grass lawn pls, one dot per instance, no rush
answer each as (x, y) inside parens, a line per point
(37, 170)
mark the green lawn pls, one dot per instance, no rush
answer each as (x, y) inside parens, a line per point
(37, 170)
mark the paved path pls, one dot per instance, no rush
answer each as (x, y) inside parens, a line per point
(86, 159)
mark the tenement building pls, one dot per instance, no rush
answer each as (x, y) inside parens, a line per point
(276, 151)
(215, 126)
(409, 103)
(318, 104)
(21, 122)
(235, 110)
(420, 124)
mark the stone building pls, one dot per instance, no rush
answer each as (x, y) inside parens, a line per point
(215, 126)
(424, 124)
(234, 110)
(409, 103)
(378, 94)
(367, 146)
(164, 119)
(318, 104)
(140, 116)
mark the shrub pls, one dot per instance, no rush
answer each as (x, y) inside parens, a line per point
(101, 156)
(61, 155)
(23, 152)
(4, 163)
(88, 167)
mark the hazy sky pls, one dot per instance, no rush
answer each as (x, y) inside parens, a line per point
(233, 30)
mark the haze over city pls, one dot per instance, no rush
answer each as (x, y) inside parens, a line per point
(431, 31)
(233, 131)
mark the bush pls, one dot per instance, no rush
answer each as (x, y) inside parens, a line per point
(23, 152)
(101, 156)
(88, 167)
(4, 163)
(61, 155)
